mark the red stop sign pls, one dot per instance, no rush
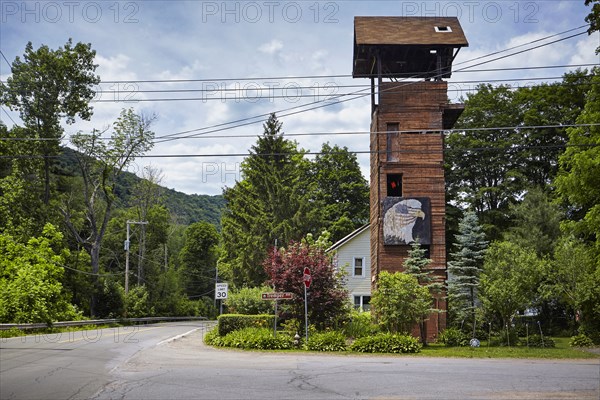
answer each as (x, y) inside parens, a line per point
(307, 278)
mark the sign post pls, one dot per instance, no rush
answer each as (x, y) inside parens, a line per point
(307, 278)
(276, 296)
(221, 294)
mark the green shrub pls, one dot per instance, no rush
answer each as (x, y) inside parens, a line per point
(212, 338)
(327, 341)
(453, 337)
(12, 332)
(387, 343)
(360, 325)
(248, 301)
(581, 340)
(537, 341)
(233, 322)
(254, 338)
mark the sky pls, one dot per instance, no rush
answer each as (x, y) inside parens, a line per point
(200, 66)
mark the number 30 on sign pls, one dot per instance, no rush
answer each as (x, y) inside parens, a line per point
(221, 291)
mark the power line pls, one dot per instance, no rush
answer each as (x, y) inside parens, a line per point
(316, 153)
(8, 115)
(360, 94)
(496, 128)
(302, 77)
(270, 92)
(9, 64)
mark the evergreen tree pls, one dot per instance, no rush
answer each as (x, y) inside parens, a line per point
(465, 267)
(271, 202)
(341, 190)
(417, 265)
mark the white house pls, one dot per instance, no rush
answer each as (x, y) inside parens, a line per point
(354, 255)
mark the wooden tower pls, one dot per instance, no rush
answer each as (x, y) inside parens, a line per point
(410, 110)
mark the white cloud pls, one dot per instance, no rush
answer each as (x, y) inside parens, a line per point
(271, 47)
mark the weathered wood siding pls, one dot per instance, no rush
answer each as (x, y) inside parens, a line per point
(418, 156)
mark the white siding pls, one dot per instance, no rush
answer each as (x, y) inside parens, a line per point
(358, 246)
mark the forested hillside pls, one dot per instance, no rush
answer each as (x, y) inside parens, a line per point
(185, 208)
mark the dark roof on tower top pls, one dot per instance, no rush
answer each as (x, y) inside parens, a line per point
(420, 31)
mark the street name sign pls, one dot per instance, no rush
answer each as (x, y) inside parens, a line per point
(277, 296)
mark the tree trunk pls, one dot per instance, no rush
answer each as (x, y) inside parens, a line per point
(95, 261)
(474, 312)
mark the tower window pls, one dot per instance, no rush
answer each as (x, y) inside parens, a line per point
(443, 29)
(394, 185)
(391, 138)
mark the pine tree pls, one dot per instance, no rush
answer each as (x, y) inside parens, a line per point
(270, 203)
(465, 267)
(417, 265)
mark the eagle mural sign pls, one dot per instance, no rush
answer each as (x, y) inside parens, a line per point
(406, 220)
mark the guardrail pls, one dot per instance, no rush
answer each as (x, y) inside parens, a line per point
(43, 325)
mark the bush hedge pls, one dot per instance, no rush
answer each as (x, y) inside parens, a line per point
(234, 322)
(453, 337)
(581, 340)
(387, 343)
(251, 338)
(327, 341)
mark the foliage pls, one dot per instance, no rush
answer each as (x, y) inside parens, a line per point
(593, 18)
(453, 337)
(464, 269)
(30, 279)
(249, 301)
(101, 162)
(510, 280)
(47, 86)
(579, 175)
(399, 301)
(536, 222)
(270, 203)
(581, 340)
(327, 295)
(573, 270)
(233, 322)
(111, 299)
(327, 341)
(489, 169)
(199, 258)
(538, 341)
(386, 343)
(137, 304)
(359, 324)
(254, 338)
(340, 190)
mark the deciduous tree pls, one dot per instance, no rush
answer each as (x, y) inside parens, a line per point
(101, 162)
(327, 296)
(48, 86)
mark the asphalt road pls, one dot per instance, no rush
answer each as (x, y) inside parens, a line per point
(186, 369)
(76, 365)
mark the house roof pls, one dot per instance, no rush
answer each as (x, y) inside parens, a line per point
(348, 238)
(420, 31)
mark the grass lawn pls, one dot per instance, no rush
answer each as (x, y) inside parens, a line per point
(561, 351)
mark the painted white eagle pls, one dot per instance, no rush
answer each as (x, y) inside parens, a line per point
(399, 221)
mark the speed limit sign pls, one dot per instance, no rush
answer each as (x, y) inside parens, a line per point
(221, 291)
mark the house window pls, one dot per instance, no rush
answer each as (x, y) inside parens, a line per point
(394, 185)
(391, 139)
(359, 267)
(362, 303)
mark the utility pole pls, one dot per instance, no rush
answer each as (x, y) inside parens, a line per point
(127, 252)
